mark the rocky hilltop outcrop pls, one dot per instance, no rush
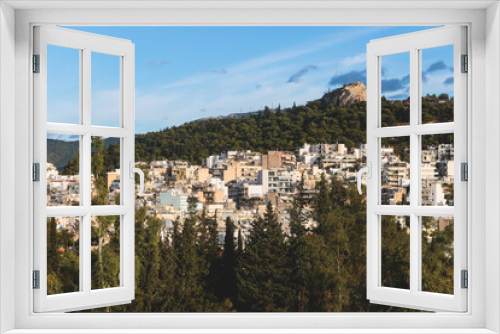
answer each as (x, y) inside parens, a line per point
(348, 94)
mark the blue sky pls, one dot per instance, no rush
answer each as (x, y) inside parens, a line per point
(187, 73)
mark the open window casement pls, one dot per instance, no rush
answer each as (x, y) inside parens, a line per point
(423, 202)
(91, 220)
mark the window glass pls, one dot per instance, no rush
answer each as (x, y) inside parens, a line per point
(437, 254)
(105, 92)
(437, 84)
(63, 255)
(395, 251)
(105, 252)
(63, 85)
(63, 170)
(438, 170)
(395, 171)
(105, 170)
(395, 88)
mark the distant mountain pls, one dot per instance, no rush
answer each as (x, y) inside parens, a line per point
(60, 152)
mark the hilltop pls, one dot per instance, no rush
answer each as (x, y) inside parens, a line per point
(337, 117)
(348, 94)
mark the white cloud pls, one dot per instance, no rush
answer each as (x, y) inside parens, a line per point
(358, 59)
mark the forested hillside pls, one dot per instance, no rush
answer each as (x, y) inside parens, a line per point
(285, 129)
(279, 129)
(60, 152)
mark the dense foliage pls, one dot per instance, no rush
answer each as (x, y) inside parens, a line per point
(60, 152)
(322, 268)
(286, 129)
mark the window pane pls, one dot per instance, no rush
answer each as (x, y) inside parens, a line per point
(63, 259)
(105, 252)
(395, 86)
(63, 85)
(105, 90)
(105, 171)
(395, 171)
(437, 84)
(396, 251)
(63, 170)
(437, 170)
(437, 254)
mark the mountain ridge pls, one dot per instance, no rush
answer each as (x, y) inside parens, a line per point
(345, 95)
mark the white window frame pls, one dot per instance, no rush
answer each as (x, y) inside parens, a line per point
(86, 44)
(484, 34)
(412, 44)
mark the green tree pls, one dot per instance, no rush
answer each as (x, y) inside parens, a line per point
(263, 274)
(229, 261)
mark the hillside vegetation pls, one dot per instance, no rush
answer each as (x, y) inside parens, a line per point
(279, 129)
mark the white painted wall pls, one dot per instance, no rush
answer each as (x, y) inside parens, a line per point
(492, 164)
(7, 159)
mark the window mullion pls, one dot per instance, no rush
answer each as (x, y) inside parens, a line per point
(414, 169)
(86, 165)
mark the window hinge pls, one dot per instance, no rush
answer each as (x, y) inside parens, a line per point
(464, 171)
(36, 279)
(465, 279)
(36, 63)
(465, 64)
(36, 172)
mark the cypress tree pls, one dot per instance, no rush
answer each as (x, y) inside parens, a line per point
(168, 279)
(228, 270)
(188, 265)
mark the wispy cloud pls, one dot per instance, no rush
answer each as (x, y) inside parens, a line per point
(437, 66)
(154, 63)
(276, 57)
(358, 59)
(217, 71)
(349, 77)
(296, 77)
(395, 84)
(449, 81)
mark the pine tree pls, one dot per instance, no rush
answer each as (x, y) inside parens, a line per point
(73, 166)
(322, 205)
(263, 275)
(209, 255)
(153, 256)
(188, 265)
(228, 272)
(298, 256)
(54, 284)
(52, 257)
(437, 257)
(168, 279)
